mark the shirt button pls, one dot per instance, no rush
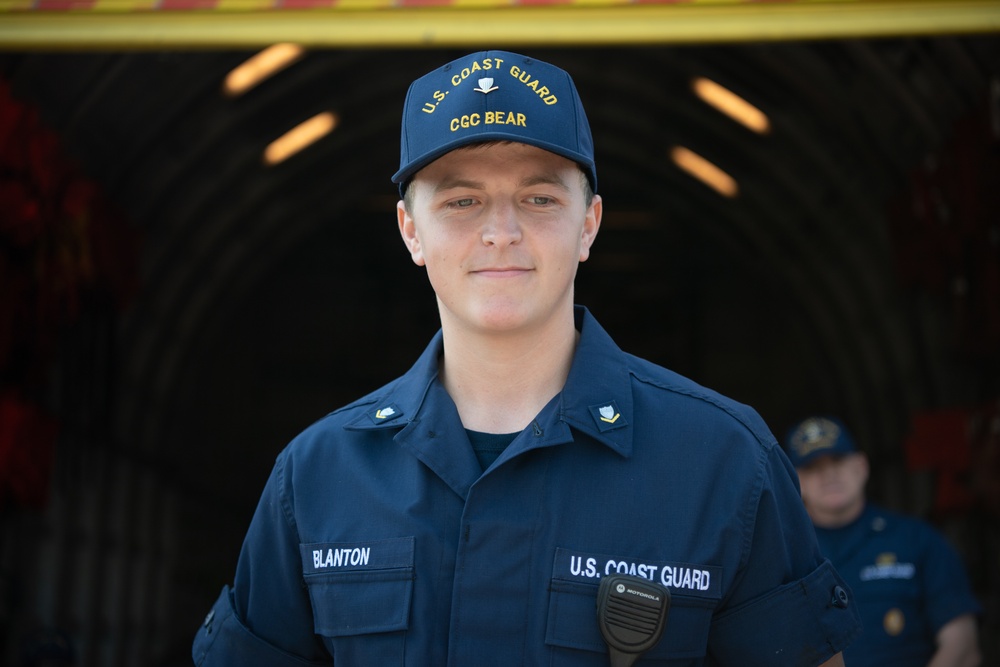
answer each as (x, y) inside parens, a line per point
(839, 597)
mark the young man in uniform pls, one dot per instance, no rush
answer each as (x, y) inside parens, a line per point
(909, 584)
(465, 513)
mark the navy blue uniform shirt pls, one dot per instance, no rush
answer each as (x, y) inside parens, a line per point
(379, 539)
(907, 580)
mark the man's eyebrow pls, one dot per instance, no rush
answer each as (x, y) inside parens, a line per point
(458, 182)
(546, 178)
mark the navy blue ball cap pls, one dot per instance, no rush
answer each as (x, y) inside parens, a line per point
(493, 96)
(815, 437)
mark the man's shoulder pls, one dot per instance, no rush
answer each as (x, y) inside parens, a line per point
(883, 516)
(693, 402)
(902, 526)
(667, 399)
(340, 419)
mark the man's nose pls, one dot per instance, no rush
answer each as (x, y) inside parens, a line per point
(502, 226)
(826, 467)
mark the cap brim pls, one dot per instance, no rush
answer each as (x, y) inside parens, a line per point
(403, 176)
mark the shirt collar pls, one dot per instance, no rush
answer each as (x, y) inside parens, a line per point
(596, 399)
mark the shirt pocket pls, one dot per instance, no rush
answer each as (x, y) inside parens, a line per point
(361, 594)
(572, 624)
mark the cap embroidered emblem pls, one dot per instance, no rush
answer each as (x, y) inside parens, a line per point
(486, 85)
(815, 434)
(608, 414)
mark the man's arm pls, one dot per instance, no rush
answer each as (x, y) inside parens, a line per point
(266, 618)
(835, 661)
(957, 644)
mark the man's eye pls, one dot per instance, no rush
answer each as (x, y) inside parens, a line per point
(540, 200)
(463, 203)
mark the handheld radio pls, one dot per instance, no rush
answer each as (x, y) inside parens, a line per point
(632, 614)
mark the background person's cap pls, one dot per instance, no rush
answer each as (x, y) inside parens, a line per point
(493, 95)
(815, 437)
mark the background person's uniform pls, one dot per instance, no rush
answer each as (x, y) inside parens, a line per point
(907, 581)
(379, 540)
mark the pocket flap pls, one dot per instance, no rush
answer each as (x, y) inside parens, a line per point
(359, 588)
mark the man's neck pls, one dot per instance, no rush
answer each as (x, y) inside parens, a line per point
(499, 382)
(836, 519)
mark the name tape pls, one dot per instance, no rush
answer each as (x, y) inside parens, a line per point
(683, 578)
(330, 557)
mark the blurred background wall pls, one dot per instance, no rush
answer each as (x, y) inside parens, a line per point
(174, 308)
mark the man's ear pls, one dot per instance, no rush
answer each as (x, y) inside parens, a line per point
(408, 231)
(591, 225)
(864, 465)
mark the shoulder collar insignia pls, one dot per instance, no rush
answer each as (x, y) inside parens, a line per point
(607, 416)
(385, 413)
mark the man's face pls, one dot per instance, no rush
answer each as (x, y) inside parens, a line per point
(834, 484)
(501, 229)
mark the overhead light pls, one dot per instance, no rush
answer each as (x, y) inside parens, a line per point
(704, 171)
(299, 137)
(266, 63)
(731, 104)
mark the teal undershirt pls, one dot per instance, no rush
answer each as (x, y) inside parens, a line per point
(488, 446)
